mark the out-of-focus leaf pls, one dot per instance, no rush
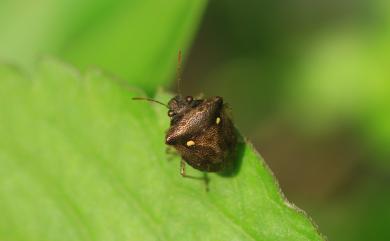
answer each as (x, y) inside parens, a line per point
(80, 161)
(127, 38)
(343, 78)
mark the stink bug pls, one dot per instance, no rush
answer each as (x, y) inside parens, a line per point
(201, 131)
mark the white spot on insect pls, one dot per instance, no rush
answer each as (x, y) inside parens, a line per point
(218, 120)
(190, 143)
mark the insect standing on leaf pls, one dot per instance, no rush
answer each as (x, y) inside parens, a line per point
(201, 131)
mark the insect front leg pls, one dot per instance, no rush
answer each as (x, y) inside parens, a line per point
(183, 174)
(171, 153)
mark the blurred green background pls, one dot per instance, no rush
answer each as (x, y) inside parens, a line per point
(308, 81)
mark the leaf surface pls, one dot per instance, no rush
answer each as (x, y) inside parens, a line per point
(80, 161)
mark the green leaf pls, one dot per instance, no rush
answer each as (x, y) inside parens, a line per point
(79, 160)
(137, 40)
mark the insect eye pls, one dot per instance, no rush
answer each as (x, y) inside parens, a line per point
(189, 99)
(171, 113)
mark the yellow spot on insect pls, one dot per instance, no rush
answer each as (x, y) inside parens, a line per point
(218, 120)
(190, 143)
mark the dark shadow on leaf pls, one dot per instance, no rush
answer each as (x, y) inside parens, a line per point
(235, 160)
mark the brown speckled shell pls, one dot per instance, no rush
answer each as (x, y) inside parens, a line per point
(213, 142)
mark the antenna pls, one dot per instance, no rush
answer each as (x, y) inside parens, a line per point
(151, 100)
(178, 72)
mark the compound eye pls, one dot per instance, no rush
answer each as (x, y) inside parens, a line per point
(171, 113)
(189, 99)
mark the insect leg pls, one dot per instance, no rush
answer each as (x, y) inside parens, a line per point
(171, 153)
(183, 174)
(206, 181)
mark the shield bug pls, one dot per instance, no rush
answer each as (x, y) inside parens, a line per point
(201, 131)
